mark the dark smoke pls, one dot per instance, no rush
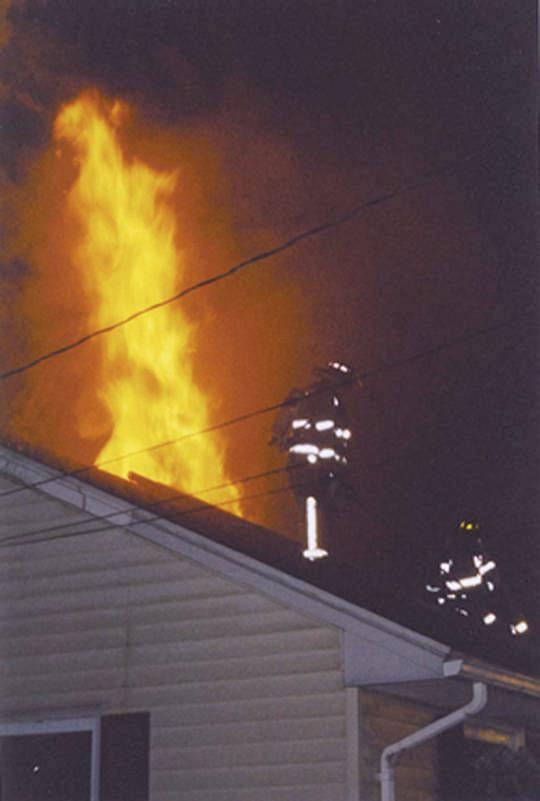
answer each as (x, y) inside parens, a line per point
(295, 111)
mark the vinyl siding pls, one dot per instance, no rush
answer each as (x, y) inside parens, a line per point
(246, 697)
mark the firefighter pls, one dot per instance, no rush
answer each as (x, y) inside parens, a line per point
(468, 583)
(313, 428)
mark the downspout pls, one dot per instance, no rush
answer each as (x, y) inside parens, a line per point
(392, 752)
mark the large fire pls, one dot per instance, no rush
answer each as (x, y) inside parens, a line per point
(127, 256)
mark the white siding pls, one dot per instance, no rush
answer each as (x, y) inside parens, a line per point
(246, 697)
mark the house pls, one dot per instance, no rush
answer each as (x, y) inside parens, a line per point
(169, 657)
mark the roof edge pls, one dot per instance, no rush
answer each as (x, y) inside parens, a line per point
(176, 538)
(461, 666)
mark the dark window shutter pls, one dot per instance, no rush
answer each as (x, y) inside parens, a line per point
(124, 772)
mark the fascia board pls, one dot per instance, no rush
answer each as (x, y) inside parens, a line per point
(290, 591)
(372, 662)
(366, 632)
(69, 489)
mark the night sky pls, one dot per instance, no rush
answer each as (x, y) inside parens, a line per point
(286, 114)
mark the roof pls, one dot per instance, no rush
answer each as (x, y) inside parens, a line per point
(349, 595)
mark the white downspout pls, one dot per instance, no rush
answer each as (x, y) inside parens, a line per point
(392, 752)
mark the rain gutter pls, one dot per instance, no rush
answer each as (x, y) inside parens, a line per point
(480, 674)
(391, 753)
(466, 668)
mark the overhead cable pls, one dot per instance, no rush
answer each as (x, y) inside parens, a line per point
(176, 496)
(338, 221)
(10, 541)
(388, 366)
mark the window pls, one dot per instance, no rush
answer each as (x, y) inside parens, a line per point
(89, 759)
(49, 760)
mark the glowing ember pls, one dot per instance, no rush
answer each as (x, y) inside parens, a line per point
(127, 258)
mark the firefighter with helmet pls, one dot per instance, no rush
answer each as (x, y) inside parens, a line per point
(468, 583)
(313, 428)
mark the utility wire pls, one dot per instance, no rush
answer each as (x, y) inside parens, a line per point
(10, 541)
(7, 543)
(355, 211)
(436, 349)
(167, 443)
(384, 367)
(405, 453)
(51, 533)
(177, 496)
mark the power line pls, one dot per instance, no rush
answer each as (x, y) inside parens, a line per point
(169, 499)
(355, 211)
(179, 496)
(167, 443)
(15, 541)
(10, 541)
(436, 349)
(384, 367)
(405, 453)
(32, 536)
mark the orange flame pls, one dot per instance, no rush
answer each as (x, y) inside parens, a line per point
(127, 258)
